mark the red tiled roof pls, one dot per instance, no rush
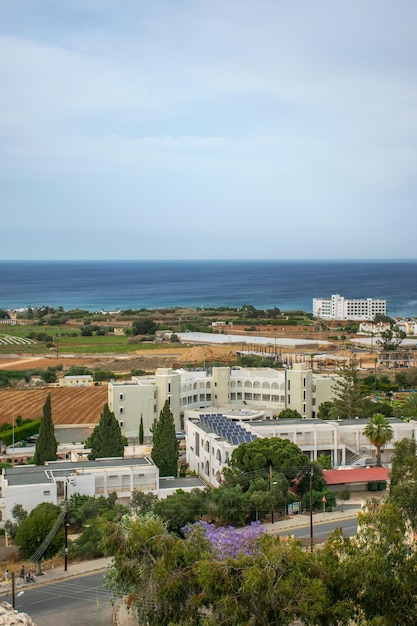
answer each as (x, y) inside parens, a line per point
(361, 475)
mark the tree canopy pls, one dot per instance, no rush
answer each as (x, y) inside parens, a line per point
(46, 444)
(165, 449)
(106, 440)
(34, 529)
(349, 393)
(379, 431)
(408, 407)
(263, 453)
(391, 338)
(216, 575)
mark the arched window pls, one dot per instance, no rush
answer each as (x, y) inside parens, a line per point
(219, 456)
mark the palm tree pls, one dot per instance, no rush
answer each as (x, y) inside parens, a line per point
(378, 431)
(407, 408)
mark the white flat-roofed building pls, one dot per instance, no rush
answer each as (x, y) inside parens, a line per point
(210, 442)
(339, 308)
(83, 380)
(29, 485)
(210, 446)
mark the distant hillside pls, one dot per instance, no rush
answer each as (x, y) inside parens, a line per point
(81, 405)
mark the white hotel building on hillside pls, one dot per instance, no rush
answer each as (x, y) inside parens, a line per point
(340, 308)
(267, 390)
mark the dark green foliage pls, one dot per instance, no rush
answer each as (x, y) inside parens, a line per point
(19, 514)
(103, 375)
(137, 372)
(408, 379)
(181, 508)
(407, 407)
(88, 514)
(46, 444)
(231, 503)
(325, 410)
(281, 454)
(144, 326)
(324, 461)
(390, 339)
(28, 428)
(141, 434)
(78, 370)
(83, 508)
(106, 439)
(319, 489)
(181, 581)
(142, 503)
(403, 480)
(290, 414)
(88, 544)
(165, 450)
(49, 376)
(35, 528)
(378, 430)
(369, 408)
(257, 361)
(349, 394)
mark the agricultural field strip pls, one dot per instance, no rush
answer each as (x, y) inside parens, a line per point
(8, 339)
(69, 406)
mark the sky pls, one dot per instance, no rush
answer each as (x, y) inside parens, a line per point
(208, 129)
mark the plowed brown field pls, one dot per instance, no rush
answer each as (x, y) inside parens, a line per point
(81, 405)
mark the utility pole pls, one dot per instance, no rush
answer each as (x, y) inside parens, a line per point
(311, 510)
(66, 527)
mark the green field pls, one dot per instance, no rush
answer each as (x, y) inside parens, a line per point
(96, 344)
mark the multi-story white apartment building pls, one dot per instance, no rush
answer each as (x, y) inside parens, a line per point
(266, 389)
(340, 308)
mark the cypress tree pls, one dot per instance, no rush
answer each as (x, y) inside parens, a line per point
(165, 450)
(106, 439)
(141, 437)
(46, 444)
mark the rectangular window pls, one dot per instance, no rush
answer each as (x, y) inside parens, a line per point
(169, 387)
(288, 399)
(289, 385)
(121, 396)
(121, 410)
(46, 493)
(121, 424)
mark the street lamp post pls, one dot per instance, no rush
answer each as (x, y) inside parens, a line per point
(66, 527)
(13, 432)
(311, 511)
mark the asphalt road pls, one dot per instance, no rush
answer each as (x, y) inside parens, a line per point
(322, 530)
(79, 601)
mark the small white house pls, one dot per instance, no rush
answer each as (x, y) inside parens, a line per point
(83, 380)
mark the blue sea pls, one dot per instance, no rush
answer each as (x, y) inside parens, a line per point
(288, 285)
